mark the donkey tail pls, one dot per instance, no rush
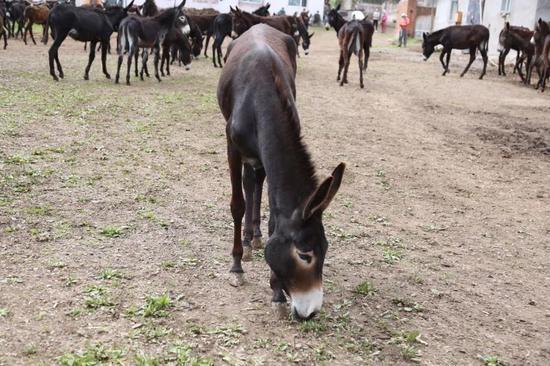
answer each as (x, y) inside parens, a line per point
(48, 29)
(122, 41)
(355, 45)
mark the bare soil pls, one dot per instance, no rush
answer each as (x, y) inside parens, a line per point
(110, 194)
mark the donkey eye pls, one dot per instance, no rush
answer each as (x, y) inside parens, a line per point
(305, 257)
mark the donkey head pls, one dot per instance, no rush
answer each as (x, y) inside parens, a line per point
(428, 45)
(296, 250)
(332, 17)
(240, 23)
(115, 14)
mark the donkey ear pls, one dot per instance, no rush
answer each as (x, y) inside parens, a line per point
(180, 6)
(507, 25)
(129, 5)
(338, 7)
(311, 35)
(323, 195)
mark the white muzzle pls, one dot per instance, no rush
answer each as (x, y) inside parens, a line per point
(305, 304)
(234, 34)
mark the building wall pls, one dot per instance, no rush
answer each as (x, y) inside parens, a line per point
(223, 5)
(543, 10)
(443, 16)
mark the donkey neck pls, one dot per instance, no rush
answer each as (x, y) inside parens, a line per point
(287, 163)
(338, 22)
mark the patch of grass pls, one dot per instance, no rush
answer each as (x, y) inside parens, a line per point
(112, 231)
(4, 312)
(57, 265)
(153, 332)
(38, 210)
(392, 255)
(157, 306)
(184, 357)
(365, 288)
(168, 264)
(97, 355)
(315, 325)
(111, 274)
(229, 334)
(16, 160)
(407, 306)
(492, 361)
(323, 354)
(96, 297)
(143, 360)
(411, 353)
(30, 350)
(71, 281)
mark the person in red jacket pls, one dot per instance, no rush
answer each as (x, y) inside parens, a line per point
(403, 25)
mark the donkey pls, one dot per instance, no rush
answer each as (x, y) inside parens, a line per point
(337, 21)
(36, 14)
(351, 37)
(242, 21)
(205, 24)
(301, 31)
(3, 29)
(222, 28)
(541, 39)
(176, 38)
(149, 8)
(16, 11)
(460, 37)
(256, 94)
(512, 37)
(81, 24)
(137, 33)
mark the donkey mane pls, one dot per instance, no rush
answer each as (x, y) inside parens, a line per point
(293, 131)
(435, 35)
(165, 15)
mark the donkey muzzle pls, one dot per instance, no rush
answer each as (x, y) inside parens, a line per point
(305, 305)
(234, 34)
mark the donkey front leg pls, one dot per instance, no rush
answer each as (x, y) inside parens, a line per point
(448, 59)
(278, 301)
(360, 56)
(347, 58)
(104, 59)
(256, 214)
(340, 65)
(483, 52)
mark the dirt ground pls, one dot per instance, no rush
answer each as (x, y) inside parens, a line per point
(111, 196)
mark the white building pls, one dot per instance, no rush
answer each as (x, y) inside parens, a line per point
(492, 13)
(290, 6)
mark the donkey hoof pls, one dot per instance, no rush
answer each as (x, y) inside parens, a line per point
(61, 75)
(280, 310)
(86, 77)
(247, 253)
(108, 76)
(257, 242)
(362, 86)
(236, 279)
(461, 75)
(55, 78)
(341, 83)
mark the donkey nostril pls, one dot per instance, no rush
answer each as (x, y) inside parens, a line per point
(298, 317)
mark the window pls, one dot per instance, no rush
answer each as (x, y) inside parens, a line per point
(304, 3)
(454, 9)
(505, 6)
(294, 2)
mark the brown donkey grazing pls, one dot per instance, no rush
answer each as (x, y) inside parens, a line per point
(256, 94)
(36, 14)
(351, 38)
(459, 37)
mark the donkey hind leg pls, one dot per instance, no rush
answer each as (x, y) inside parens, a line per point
(104, 50)
(144, 58)
(447, 60)
(483, 52)
(131, 51)
(214, 51)
(90, 60)
(472, 58)
(53, 55)
(237, 210)
(136, 63)
(517, 61)
(248, 185)
(360, 56)
(340, 65)
(347, 59)
(32, 35)
(366, 56)
(441, 56)
(206, 45)
(156, 63)
(256, 217)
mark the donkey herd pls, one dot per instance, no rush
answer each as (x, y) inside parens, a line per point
(256, 94)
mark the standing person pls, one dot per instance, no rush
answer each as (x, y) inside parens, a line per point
(403, 25)
(383, 21)
(375, 19)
